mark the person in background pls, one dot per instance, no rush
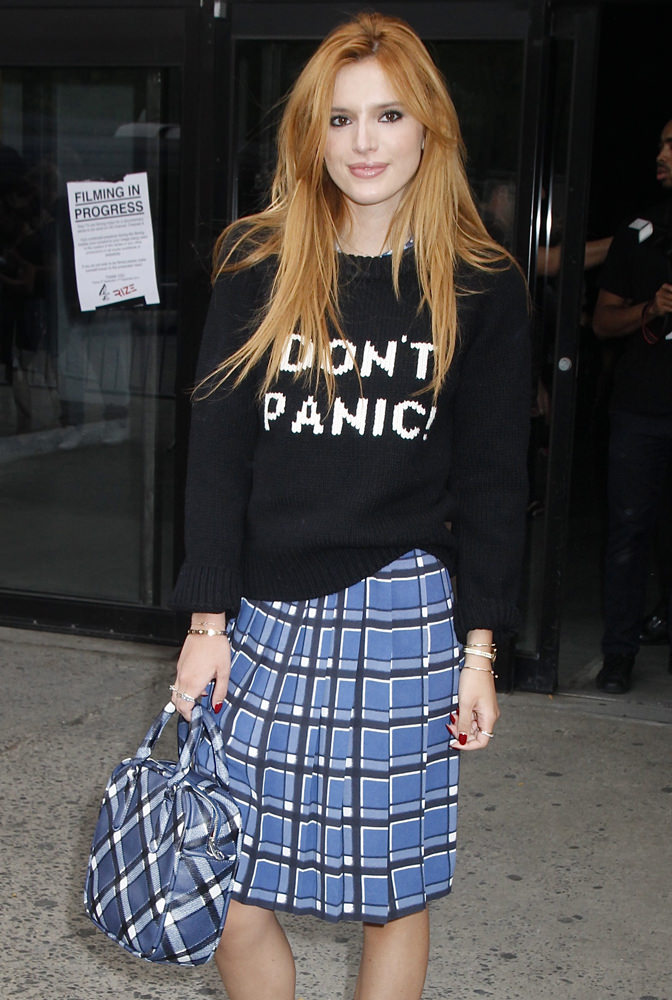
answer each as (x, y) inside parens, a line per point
(359, 434)
(635, 301)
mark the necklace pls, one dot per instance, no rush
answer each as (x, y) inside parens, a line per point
(383, 253)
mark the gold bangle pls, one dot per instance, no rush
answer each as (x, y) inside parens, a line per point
(206, 631)
(482, 670)
(492, 655)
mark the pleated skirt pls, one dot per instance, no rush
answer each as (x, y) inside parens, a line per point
(337, 747)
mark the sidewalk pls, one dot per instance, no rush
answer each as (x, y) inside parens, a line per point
(564, 881)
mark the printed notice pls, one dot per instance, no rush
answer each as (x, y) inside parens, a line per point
(114, 242)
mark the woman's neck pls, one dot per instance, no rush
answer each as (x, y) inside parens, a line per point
(366, 232)
(363, 244)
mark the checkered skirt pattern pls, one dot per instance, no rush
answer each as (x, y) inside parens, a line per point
(337, 749)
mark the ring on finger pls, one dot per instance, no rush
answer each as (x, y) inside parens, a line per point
(486, 733)
(181, 694)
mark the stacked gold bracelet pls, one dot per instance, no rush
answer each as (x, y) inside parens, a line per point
(206, 629)
(488, 650)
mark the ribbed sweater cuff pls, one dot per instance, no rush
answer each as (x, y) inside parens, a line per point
(206, 588)
(473, 612)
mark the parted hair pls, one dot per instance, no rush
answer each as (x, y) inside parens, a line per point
(300, 226)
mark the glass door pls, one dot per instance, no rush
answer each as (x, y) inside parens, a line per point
(90, 192)
(86, 421)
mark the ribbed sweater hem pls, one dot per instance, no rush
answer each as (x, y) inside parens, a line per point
(284, 576)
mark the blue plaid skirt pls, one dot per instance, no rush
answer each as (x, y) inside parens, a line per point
(337, 748)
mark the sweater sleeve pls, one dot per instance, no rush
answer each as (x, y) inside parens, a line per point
(491, 430)
(221, 449)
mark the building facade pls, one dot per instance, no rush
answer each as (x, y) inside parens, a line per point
(170, 105)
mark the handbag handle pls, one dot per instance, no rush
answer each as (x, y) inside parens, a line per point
(199, 720)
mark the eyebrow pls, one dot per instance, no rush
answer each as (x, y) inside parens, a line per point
(376, 107)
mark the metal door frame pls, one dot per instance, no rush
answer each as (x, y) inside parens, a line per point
(538, 671)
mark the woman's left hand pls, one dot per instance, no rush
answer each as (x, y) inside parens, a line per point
(473, 725)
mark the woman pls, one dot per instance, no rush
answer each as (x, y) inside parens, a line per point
(363, 381)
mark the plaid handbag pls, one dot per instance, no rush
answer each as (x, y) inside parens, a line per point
(165, 850)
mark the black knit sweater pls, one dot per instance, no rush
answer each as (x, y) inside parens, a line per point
(289, 499)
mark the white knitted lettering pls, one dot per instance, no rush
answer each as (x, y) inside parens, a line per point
(408, 419)
(308, 416)
(398, 414)
(430, 421)
(379, 417)
(424, 350)
(348, 362)
(365, 419)
(371, 355)
(286, 362)
(342, 414)
(274, 407)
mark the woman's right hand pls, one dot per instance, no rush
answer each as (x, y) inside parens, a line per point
(204, 658)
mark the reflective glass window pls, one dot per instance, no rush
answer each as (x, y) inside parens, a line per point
(86, 397)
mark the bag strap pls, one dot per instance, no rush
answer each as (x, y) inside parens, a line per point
(155, 730)
(200, 721)
(214, 734)
(189, 748)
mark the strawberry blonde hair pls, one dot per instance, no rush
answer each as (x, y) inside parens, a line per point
(300, 227)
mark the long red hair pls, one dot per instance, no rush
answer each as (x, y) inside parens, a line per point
(299, 228)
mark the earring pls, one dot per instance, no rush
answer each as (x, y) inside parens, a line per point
(422, 144)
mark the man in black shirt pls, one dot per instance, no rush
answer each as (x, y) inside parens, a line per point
(635, 301)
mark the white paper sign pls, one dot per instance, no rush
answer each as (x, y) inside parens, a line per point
(112, 233)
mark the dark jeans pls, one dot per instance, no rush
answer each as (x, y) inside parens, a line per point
(640, 452)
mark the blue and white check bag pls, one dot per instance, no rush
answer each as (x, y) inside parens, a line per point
(165, 850)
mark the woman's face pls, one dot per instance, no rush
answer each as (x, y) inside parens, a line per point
(373, 145)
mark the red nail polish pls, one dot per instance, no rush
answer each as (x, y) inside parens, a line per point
(462, 739)
(218, 707)
(452, 718)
